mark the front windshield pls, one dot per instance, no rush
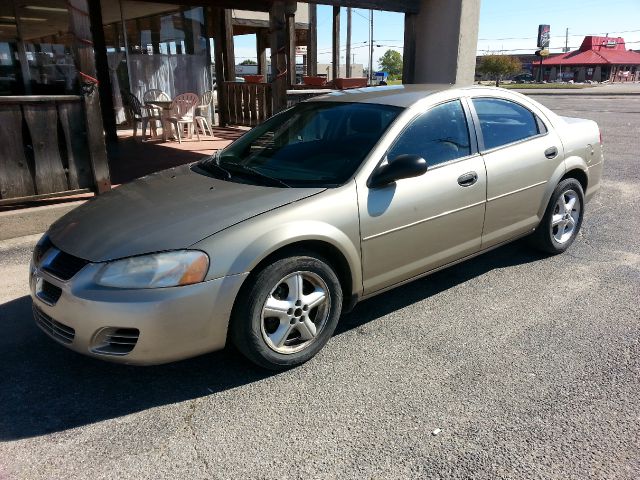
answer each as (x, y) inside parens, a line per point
(313, 144)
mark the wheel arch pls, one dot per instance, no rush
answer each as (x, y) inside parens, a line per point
(580, 175)
(572, 167)
(326, 250)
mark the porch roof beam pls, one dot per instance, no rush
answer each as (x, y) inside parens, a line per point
(403, 6)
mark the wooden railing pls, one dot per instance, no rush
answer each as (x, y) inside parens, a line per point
(246, 104)
(45, 149)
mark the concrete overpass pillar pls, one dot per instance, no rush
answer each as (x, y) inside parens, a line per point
(441, 42)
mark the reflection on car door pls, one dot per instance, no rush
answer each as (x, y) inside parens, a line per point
(418, 224)
(520, 155)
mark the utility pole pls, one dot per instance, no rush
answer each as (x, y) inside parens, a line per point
(566, 49)
(349, 42)
(371, 48)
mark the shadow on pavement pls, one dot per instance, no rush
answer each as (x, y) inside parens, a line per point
(46, 388)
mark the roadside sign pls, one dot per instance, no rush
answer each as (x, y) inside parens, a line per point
(544, 36)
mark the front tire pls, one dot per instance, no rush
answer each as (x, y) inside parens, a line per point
(287, 312)
(562, 220)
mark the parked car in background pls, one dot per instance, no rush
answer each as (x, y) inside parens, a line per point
(524, 78)
(327, 203)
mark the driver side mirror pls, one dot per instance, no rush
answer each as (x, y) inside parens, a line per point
(403, 166)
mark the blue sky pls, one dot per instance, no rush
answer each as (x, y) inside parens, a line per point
(504, 25)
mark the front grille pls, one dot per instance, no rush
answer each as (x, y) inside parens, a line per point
(57, 330)
(49, 293)
(64, 266)
(116, 341)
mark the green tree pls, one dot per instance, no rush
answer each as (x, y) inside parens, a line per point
(498, 66)
(391, 62)
(248, 61)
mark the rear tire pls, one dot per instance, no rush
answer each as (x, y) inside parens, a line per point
(562, 219)
(287, 312)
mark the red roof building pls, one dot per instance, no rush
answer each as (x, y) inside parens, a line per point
(598, 59)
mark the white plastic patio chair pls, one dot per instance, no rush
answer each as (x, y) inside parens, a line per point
(203, 113)
(182, 114)
(154, 113)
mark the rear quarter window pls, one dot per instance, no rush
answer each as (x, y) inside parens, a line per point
(503, 122)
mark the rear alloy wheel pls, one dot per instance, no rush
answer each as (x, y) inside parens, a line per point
(562, 219)
(288, 312)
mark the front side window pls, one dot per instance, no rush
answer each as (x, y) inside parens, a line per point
(503, 122)
(312, 144)
(439, 135)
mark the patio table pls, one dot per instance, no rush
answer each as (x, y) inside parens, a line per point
(165, 107)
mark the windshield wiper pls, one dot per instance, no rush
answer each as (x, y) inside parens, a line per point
(250, 171)
(213, 163)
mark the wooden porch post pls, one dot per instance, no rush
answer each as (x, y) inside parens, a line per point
(102, 72)
(277, 20)
(409, 54)
(290, 12)
(348, 53)
(84, 56)
(312, 41)
(228, 47)
(155, 34)
(22, 53)
(224, 56)
(215, 15)
(187, 30)
(261, 46)
(336, 43)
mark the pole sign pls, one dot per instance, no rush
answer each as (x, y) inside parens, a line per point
(544, 36)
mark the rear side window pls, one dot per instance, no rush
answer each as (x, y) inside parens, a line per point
(438, 135)
(503, 122)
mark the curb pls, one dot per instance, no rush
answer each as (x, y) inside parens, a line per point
(31, 221)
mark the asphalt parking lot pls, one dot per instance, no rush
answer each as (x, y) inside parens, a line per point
(526, 366)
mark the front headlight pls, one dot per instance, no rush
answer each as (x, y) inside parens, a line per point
(168, 269)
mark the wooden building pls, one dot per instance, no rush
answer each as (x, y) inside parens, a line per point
(63, 64)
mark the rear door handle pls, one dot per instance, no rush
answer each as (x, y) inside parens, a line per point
(551, 152)
(467, 179)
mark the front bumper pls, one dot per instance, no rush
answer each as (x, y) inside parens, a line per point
(140, 327)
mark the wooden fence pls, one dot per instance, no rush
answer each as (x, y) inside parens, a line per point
(45, 149)
(246, 104)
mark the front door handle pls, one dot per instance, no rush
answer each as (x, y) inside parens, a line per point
(468, 179)
(551, 152)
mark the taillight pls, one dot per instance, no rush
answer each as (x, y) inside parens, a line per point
(600, 132)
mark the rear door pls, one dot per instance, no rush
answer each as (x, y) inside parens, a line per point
(520, 153)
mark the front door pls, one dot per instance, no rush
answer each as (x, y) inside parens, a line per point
(418, 224)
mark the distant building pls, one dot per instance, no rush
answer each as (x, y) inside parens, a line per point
(598, 59)
(357, 70)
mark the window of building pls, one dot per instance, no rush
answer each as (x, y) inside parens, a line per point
(36, 49)
(439, 135)
(503, 122)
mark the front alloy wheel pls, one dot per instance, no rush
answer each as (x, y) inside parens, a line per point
(295, 312)
(287, 311)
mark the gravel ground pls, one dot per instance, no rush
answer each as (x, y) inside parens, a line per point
(512, 365)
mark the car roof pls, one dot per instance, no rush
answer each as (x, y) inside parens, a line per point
(396, 95)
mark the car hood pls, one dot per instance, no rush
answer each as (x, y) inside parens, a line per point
(167, 210)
